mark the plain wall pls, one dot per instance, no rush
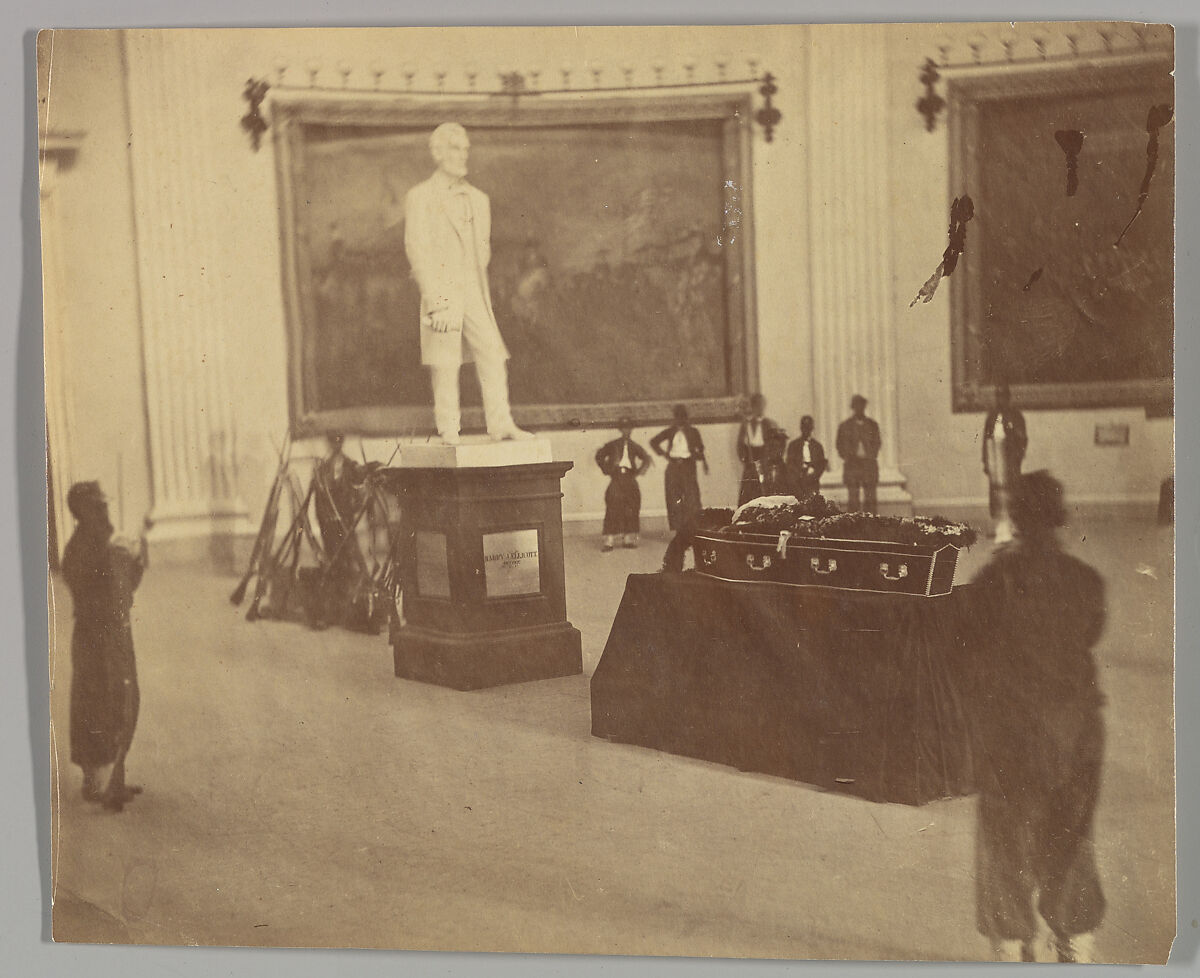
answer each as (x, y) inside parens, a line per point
(98, 262)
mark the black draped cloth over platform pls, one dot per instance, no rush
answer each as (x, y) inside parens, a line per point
(850, 691)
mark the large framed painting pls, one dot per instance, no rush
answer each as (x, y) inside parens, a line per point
(1058, 294)
(621, 270)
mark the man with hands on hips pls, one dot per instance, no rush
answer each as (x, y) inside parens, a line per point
(447, 237)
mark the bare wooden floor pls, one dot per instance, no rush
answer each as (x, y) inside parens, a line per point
(298, 794)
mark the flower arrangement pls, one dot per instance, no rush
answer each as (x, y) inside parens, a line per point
(816, 517)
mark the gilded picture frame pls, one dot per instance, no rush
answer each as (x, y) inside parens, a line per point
(1043, 272)
(682, 262)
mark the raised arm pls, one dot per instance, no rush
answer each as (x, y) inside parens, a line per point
(1019, 434)
(656, 443)
(817, 451)
(698, 447)
(641, 460)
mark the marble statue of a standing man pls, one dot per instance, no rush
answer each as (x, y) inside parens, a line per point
(447, 237)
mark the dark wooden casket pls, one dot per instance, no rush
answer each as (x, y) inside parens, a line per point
(871, 566)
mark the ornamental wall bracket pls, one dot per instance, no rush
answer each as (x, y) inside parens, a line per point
(768, 116)
(930, 104)
(1053, 50)
(253, 122)
(515, 85)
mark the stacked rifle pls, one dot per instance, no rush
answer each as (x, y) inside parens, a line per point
(260, 554)
(344, 587)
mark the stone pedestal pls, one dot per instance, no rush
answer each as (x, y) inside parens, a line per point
(481, 556)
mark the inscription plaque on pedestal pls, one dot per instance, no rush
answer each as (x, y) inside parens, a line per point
(510, 563)
(481, 558)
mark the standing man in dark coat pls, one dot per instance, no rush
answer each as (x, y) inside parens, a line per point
(858, 444)
(1040, 735)
(622, 460)
(806, 461)
(101, 576)
(1004, 444)
(775, 480)
(682, 446)
(753, 442)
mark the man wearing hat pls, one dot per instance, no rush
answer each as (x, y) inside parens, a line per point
(858, 443)
(806, 461)
(1040, 735)
(101, 576)
(622, 460)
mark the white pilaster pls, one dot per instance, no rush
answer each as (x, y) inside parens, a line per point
(185, 311)
(853, 302)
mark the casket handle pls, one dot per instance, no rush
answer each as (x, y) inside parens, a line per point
(901, 571)
(762, 565)
(815, 564)
(709, 557)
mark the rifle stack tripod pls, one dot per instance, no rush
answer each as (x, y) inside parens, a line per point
(337, 585)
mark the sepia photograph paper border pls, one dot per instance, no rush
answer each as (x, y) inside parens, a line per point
(236, 384)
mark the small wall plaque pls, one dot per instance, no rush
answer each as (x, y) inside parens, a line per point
(433, 570)
(1112, 434)
(511, 564)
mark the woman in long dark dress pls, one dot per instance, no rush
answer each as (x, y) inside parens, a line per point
(623, 460)
(102, 577)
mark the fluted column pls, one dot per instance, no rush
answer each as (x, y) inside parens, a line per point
(184, 309)
(853, 301)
